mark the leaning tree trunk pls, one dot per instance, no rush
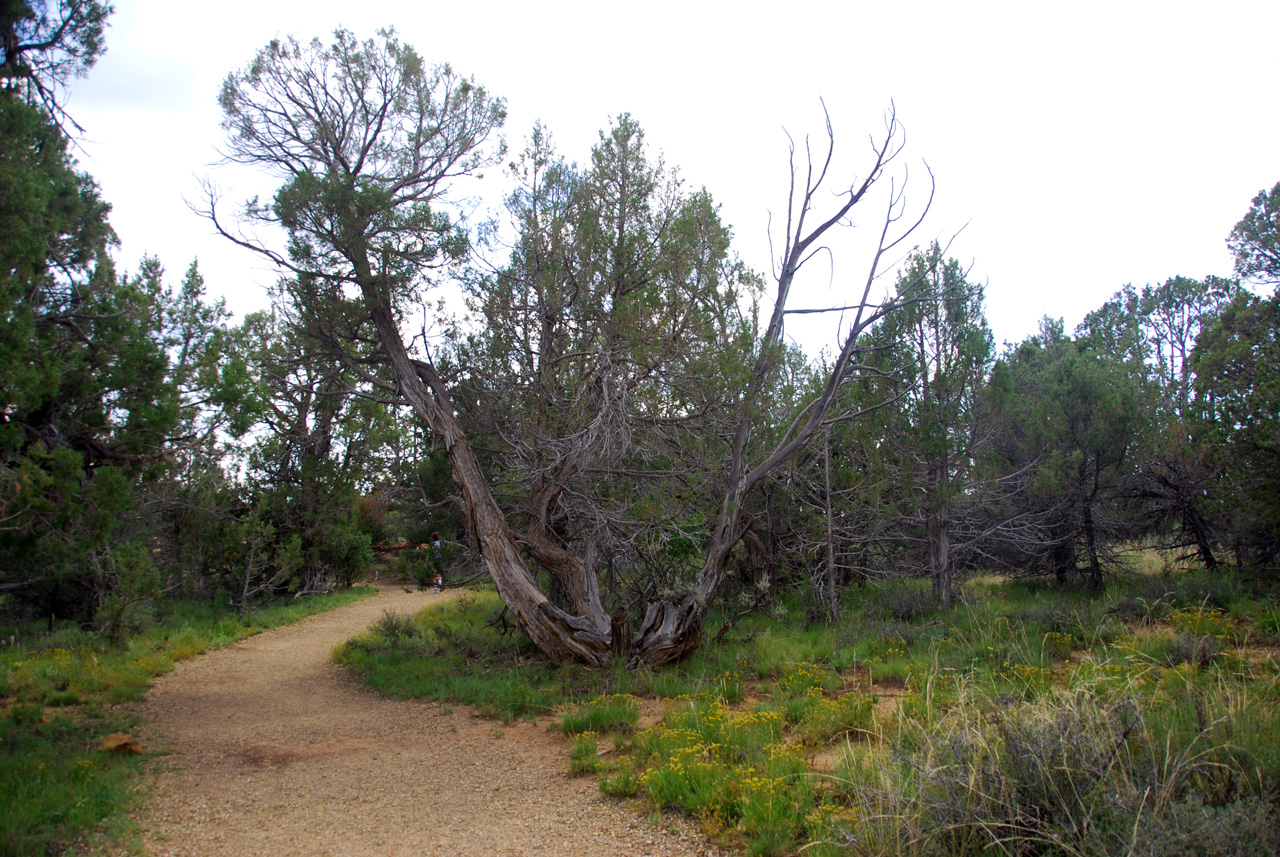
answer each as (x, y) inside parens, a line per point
(557, 633)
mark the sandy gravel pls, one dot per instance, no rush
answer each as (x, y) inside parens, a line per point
(273, 749)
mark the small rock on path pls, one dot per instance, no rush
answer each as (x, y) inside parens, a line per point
(275, 750)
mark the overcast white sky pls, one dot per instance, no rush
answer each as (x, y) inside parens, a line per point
(1086, 145)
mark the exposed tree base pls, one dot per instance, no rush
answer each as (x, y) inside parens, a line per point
(668, 633)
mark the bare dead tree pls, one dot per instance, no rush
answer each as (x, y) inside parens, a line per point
(672, 630)
(43, 45)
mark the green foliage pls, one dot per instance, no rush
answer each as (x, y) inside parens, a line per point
(101, 374)
(729, 766)
(620, 279)
(902, 601)
(1091, 771)
(132, 583)
(98, 373)
(1072, 408)
(831, 719)
(456, 653)
(416, 566)
(1237, 390)
(395, 628)
(1194, 828)
(439, 116)
(44, 43)
(311, 465)
(1255, 240)
(938, 343)
(619, 779)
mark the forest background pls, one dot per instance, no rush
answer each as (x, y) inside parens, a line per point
(151, 444)
(622, 437)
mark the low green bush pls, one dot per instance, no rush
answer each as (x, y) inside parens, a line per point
(584, 748)
(619, 779)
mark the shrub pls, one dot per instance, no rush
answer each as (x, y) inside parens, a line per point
(773, 813)
(690, 779)
(730, 687)
(830, 719)
(510, 697)
(394, 627)
(669, 683)
(1146, 599)
(1021, 681)
(1201, 621)
(620, 779)
(1058, 645)
(415, 565)
(1267, 624)
(743, 735)
(799, 679)
(583, 750)
(798, 708)
(894, 666)
(1244, 828)
(902, 602)
(1207, 591)
(1049, 616)
(1192, 649)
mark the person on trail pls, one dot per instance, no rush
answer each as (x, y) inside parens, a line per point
(437, 561)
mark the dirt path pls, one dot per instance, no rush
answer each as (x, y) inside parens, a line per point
(273, 749)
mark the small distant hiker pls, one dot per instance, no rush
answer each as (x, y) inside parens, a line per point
(437, 561)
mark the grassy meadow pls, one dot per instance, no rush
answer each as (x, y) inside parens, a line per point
(62, 691)
(1028, 720)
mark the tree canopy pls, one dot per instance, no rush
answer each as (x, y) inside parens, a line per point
(1255, 240)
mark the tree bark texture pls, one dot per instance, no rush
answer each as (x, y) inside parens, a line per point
(561, 635)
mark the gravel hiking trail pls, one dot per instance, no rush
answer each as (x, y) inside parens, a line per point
(272, 749)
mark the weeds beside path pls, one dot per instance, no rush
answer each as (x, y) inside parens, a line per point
(273, 749)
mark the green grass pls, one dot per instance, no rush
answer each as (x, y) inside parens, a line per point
(59, 692)
(55, 789)
(616, 712)
(1025, 720)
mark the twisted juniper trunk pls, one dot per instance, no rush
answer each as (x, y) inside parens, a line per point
(557, 633)
(574, 580)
